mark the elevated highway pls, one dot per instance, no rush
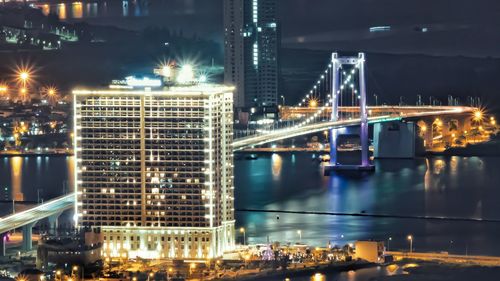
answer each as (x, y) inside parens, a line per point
(387, 114)
(28, 218)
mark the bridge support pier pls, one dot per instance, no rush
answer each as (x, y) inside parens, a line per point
(394, 140)
(27, 243)
(3, 243)
(54, 223)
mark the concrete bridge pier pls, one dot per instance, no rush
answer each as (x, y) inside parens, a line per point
(27, 230)
(54, 222)
(3, 243)
(394, 140)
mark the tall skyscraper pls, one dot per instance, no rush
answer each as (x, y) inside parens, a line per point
(252, 42)
(154, 170)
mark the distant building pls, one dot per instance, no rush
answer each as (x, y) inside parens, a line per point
(371, 251)
(252, 43)
(155, 170)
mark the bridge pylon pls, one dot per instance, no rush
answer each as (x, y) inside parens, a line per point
(356, 63)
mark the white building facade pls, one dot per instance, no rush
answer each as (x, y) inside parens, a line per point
(154, 170)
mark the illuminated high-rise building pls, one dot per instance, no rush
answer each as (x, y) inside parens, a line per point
(252, 42)
(154, 170)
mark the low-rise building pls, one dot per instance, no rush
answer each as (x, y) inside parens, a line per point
(371, 251)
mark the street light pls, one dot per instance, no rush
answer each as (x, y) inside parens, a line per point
(283, 97)
(389, 243)
(410, 238)
(478, 115)
(242, 230)
(299, 232)
(24, 76)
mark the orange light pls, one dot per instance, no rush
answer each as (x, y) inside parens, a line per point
(313, 103)
(478, 115)
(24, 75)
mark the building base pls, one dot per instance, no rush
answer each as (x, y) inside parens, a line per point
(331, 169)
(193, 243)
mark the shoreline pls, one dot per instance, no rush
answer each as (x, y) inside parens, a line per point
(304, 271)
(35, 154)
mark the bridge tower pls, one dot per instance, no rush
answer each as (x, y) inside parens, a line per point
(337, 64)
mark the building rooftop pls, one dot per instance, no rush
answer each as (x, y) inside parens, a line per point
(200, 89)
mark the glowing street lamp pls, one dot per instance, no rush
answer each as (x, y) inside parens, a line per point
(242, 230)
(313, 103)
(410, 239)
(478, 115)
(23, 76)
(50, 93)
(23, 92)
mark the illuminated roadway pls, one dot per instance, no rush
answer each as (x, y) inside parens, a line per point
(47, 209)
(314, 127)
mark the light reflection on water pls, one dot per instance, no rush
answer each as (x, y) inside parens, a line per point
(137, 8)
(17, 178)
(365, 274)
(456, 186)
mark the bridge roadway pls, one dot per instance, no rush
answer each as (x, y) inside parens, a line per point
(28, 218)
(45, 210)
(296, 112)
(295, 131)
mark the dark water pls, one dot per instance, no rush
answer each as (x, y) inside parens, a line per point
(191, 16)
(453, 186)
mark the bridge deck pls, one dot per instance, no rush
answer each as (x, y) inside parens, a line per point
(314, 127)
(37, 213)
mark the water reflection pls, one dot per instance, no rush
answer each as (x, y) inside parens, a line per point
(16, 178)
(161, 9)
(77, 10)
(45, 9)
(125, 8)
(61, 11)
(91, 10)
(277, 163)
